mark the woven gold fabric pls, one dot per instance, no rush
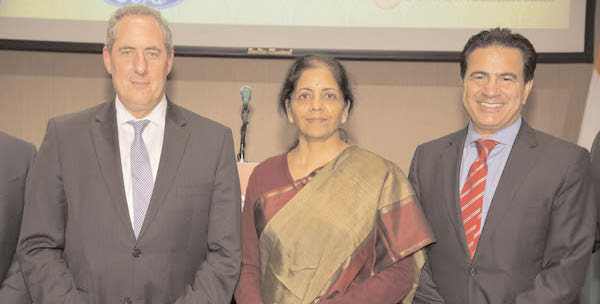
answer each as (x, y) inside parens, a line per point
(316, 233)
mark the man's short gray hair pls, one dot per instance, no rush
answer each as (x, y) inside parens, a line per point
(137, 10)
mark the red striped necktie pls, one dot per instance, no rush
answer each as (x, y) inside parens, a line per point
(471, 195)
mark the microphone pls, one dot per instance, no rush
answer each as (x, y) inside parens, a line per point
(246, 92)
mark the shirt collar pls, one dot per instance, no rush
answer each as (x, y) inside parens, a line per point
(505, 136)
(157, 116)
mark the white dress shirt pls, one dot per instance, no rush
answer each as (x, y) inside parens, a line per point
(153, 139)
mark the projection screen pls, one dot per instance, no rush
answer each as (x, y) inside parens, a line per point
(424, 30)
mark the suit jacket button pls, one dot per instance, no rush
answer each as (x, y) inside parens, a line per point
(473, 271)
(128, 300)
(136, 253)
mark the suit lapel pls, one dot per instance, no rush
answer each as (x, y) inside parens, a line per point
(174, 145)
(451, 160)
(105, 139)
(520, 161)
(595, 151)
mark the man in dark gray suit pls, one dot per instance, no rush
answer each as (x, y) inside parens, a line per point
(136, 200)
(509, 205)
(16, 157)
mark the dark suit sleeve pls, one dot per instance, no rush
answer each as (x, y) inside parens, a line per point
(569, 240)
(596, 187)
(426, 292)
(42, 240)
(13, 289)
(15, 159)
(217, 275)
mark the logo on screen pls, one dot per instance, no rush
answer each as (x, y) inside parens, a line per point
(157, 4)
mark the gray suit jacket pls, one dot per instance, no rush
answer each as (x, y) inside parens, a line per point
(77, 244)
(16, 157)
(596, 174)
(538, 235)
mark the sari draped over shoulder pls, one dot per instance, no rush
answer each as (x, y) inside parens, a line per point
(308, 243)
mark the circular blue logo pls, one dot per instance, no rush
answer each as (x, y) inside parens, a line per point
(157, 4)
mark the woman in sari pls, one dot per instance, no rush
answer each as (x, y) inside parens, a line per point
(328, 222)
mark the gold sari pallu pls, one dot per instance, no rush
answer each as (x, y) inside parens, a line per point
(310, 240)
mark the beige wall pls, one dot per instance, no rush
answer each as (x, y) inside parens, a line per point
(399, 104)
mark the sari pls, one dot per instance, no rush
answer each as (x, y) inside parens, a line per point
(310, 240)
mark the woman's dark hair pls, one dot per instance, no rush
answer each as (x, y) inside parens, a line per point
(311, 62)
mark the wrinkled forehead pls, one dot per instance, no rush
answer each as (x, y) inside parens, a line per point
(142, 24)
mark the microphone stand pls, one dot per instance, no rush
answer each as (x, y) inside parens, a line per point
(241, 157)
(246, 93)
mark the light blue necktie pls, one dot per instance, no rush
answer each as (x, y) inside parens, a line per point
(141, 175)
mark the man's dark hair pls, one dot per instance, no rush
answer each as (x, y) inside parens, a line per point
(502, 37)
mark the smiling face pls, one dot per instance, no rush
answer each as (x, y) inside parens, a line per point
(494, 90)
(317, 106)
(139, 64)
